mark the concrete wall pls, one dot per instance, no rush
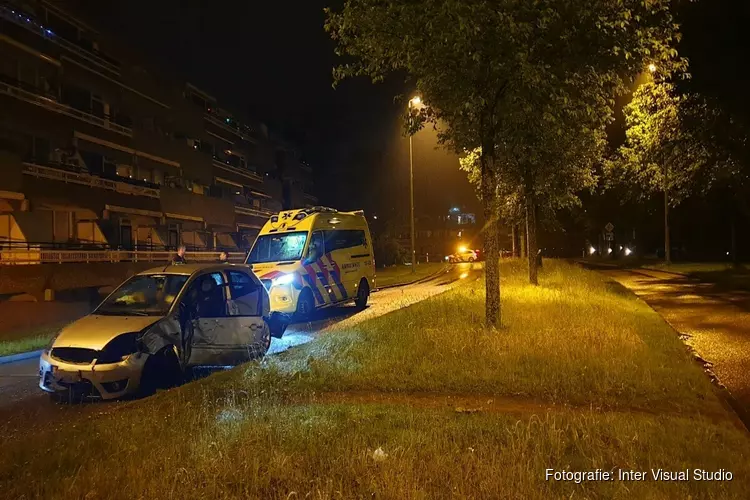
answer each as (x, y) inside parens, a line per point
(34, 279)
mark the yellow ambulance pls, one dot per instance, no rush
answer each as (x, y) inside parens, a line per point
(312, 258)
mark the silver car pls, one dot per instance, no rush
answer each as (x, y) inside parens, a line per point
(155, 327)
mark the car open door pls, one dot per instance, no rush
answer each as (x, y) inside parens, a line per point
(215, 338)
(245, 310)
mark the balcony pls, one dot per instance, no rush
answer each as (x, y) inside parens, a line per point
(84, 179)
(256, 212)
(29, 23)
(242, 131)
(33, 96)
(218, 163)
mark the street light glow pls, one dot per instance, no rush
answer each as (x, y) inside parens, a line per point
(592, 251)
(416, 101)
(462, 249)
(652, 68)
(628, 251)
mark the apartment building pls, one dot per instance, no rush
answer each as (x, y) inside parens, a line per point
(437, 235)
(98, 150)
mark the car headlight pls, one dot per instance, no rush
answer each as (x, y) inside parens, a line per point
(119, 348)
(284, 279)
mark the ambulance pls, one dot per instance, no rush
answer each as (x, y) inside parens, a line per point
(312, 258)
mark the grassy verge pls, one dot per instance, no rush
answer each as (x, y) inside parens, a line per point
(720, 273)
(397, 275)
(420, 403)
(696, 267)
(28, 339)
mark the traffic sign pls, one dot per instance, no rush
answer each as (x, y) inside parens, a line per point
(609, 227)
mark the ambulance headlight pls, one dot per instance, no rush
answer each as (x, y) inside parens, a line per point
(284, 279)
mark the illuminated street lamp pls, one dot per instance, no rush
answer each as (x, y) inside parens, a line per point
(414, 102)
(652, 68)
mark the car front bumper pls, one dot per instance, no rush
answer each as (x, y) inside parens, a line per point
(105, 381)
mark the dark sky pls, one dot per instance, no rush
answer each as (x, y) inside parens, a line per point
(273, 60)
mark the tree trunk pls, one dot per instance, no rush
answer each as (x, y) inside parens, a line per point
(531, 236)
(733, 245)
(667, 243)
(514, 240)
(492, 257)
(522, 240)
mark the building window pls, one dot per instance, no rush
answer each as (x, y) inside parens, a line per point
(158, 177)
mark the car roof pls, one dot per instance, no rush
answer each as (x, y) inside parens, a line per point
(190, 269)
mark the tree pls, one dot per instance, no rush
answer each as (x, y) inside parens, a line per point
(665, 151)
(489, 70)
(545, 181)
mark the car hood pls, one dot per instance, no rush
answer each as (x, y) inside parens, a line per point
(95, 331)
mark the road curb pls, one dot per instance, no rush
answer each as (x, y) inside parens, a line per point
(673, 273)
(442, 270)
(19, 357)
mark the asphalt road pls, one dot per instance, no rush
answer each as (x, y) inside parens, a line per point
(715, 321)
(23, 405)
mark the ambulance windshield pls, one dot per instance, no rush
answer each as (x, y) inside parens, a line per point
(278, 247)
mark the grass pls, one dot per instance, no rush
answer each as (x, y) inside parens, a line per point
(722, 274)
(398, 275)
(28, 339)
(696, 267)
(420, 403)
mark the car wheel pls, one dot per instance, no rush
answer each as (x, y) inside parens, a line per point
(265, 341)
(305, 305)
(277, 325)
(161, 371)
(363, 293)
(471, 259)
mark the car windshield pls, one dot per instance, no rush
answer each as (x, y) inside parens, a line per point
(278, 247)
(144, 295)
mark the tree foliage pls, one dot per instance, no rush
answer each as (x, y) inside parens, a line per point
(509, 77)
(662, 151)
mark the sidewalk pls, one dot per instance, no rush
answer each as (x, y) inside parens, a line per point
(714, 320)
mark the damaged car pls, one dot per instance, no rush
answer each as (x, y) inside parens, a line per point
(155, 327)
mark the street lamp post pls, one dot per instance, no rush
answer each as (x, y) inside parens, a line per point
(413, 102)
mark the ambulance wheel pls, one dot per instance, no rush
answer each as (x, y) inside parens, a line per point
(305, 305)
(363, 293)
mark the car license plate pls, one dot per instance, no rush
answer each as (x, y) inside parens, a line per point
(65, 376)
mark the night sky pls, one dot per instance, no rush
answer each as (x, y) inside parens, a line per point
(273, 60)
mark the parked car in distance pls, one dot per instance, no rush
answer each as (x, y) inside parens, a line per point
(157, 325)
(463, 255)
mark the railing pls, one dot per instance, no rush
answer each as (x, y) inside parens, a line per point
(240, 131)
(88, 180)
(28, 23)
(237, 170)
(258, 212)
(52, 105)
(43, 256)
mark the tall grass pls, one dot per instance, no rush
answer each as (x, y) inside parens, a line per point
(265, 430)
(576, 339)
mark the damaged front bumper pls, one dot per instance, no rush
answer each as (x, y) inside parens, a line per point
(91, 380)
